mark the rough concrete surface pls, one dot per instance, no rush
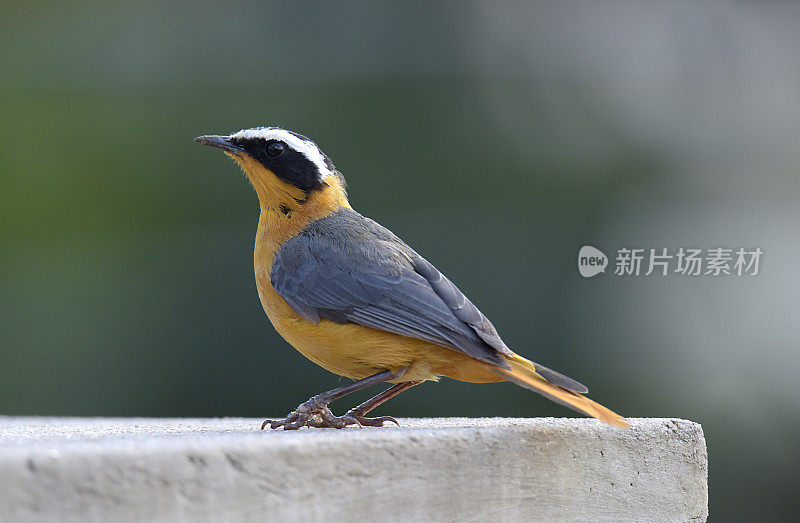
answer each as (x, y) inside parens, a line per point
(448, 469)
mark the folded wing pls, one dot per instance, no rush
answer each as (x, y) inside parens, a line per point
(349, 269)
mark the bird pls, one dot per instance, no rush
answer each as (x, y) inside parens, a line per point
(355, 299)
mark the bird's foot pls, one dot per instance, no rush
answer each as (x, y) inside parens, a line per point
(311, 413)
(369, 422)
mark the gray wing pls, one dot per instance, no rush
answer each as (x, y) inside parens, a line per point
(348, 269)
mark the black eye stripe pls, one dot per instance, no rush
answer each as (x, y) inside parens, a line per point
(287, 163)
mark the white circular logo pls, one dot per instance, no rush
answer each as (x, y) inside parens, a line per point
(591, 261)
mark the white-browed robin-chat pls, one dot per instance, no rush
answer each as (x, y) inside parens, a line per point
(355, 299)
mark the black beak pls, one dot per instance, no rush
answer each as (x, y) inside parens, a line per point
(220, 142)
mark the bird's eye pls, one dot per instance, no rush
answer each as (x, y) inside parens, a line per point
(275, 148)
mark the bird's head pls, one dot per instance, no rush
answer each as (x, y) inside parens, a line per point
(287, 170)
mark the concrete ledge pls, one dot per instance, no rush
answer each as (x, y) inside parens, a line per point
(55, 469)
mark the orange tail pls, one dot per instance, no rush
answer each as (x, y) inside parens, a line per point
(524, 373)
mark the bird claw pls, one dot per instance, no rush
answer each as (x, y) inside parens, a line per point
(311, 414)
(319, 417)
(369, 422)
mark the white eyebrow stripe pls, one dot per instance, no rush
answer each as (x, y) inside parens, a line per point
(305, 147)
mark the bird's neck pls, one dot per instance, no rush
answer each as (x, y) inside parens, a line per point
(286, 209)
(286, 216)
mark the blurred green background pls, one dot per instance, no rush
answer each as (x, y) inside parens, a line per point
(495, 138)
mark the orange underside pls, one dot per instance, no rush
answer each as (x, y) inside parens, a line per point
(357, 352)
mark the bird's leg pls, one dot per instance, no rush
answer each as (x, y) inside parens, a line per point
(315, 412)
(358, 413)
